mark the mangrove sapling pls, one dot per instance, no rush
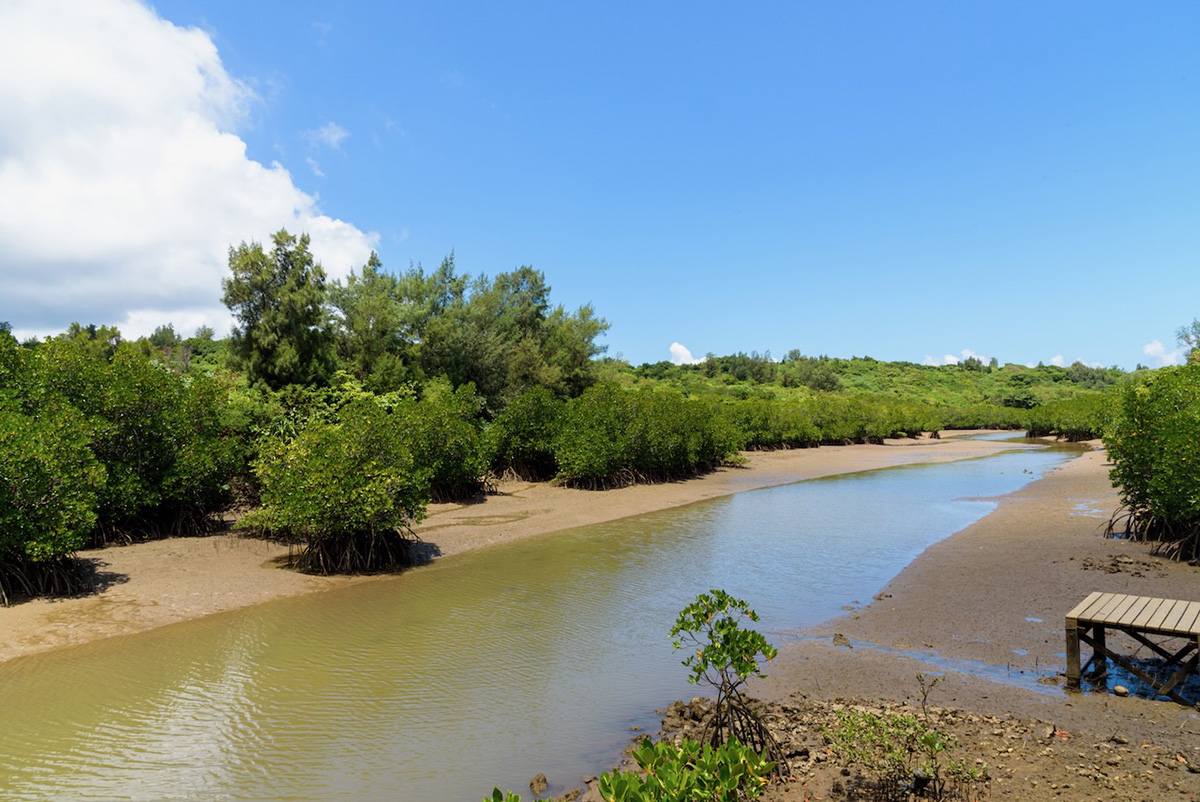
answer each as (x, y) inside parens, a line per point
(903, 754)
(724, 655)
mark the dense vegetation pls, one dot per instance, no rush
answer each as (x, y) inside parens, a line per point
(421, 386)
(1154, 443)
(98, 441)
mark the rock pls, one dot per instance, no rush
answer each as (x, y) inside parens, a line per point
(539, 784)
(1120, 690)
(841, 640)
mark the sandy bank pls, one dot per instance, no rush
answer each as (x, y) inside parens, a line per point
(162, 582)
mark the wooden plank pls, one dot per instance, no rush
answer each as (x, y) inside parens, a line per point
(1147, 613)
(1187, 622)
(1172, 620)
(1089, 614)
(1167, 610)
(1112, 603)
(1083, 605)
(1126, 618)
(1121, 609)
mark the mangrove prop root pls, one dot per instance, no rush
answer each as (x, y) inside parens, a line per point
(733, 718)
(357, 553)
(1180, 542)
(25, 579)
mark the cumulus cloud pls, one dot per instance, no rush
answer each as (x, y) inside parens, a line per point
(680, 355)
(124, 180)
(1159, 354)
(1058, 360)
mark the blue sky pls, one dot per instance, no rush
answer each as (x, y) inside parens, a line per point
(905, 181)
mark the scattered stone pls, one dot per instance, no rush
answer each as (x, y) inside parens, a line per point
(841, 640)
(539, 784)
(1120, 690)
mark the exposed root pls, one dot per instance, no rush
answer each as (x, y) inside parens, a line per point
(25, 579)
(182, 524)
(1175, 542)
(627, 477)
(360, 553)
(733, 717)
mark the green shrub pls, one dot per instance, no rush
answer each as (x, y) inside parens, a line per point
(770, 424)
(347, 491)
(1154, 443)
(1083, 417)
(609, 437)
(522, 435)
(49, 482)
(447, 438)
(167, 453)
(983, 416)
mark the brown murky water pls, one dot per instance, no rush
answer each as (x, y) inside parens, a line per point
(477, 670)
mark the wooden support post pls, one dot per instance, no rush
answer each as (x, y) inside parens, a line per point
(1073, 667)
(1099, 657)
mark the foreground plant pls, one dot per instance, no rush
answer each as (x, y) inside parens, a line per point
(725, 655)
(904, 754)
(687, 772)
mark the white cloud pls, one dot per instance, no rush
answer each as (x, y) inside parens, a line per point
(124, 183)
(680, 355)
(1058, 360)
(1159, 353)
(315, 166)
(330, 135)
(951, 359)
(967, 353)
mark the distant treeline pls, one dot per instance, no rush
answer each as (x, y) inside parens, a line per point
(337, 411)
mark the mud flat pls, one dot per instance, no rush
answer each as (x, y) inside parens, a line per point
(984, 609)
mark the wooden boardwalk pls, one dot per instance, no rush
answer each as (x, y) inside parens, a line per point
(1140, 617)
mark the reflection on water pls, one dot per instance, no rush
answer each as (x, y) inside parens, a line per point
(477, 670)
